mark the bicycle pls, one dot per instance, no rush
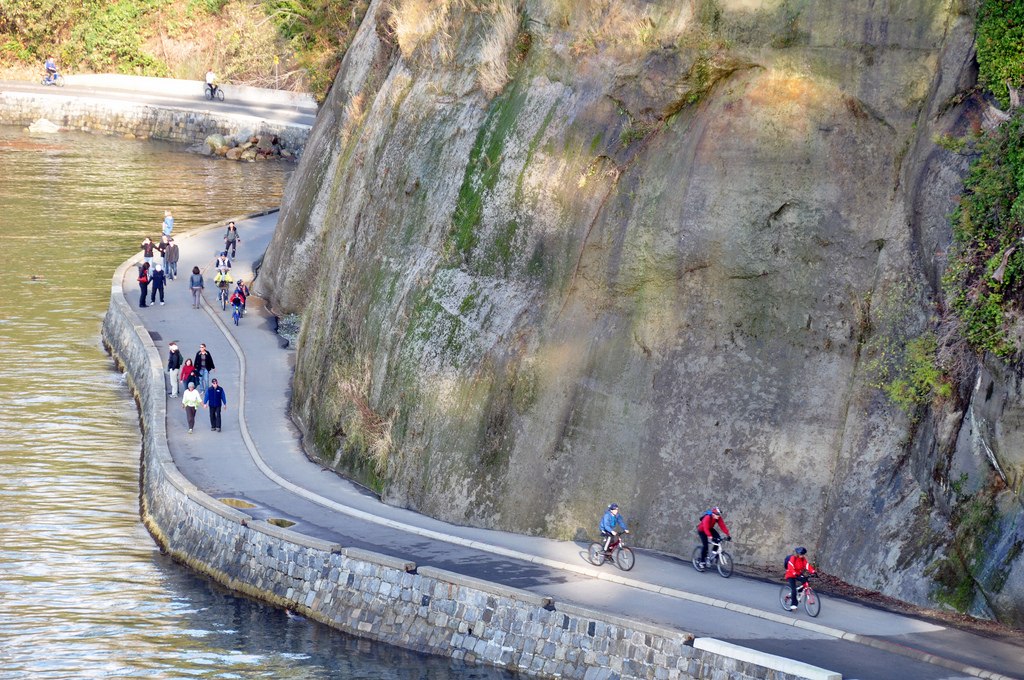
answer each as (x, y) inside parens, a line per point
(617, 553)
(55, 79)
(805, 594)
(223, 297)
(212, 91)
(716, 556)
(236, 312)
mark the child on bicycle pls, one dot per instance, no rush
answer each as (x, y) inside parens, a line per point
(240, 292)
(237, 300)
(796, 564)
(608, 522)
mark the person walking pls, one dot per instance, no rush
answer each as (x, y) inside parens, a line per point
(231, 239)
(191, 400)
(168, 223)
(204, 367)
(143, 282)
(158, 279)
(171, 258)
(147, 249)
(195, 284)
(173, 368)
(215, 400)
(188, 372)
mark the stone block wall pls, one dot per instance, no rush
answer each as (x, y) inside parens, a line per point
(140, 120)
(379, 597)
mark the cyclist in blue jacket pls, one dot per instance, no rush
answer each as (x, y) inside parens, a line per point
(609, 521)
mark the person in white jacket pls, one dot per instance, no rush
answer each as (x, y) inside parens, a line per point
(191, 400)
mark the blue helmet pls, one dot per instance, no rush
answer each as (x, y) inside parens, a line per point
(613, 506)
(801, 551)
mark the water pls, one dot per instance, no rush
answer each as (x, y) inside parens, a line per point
(84, 592)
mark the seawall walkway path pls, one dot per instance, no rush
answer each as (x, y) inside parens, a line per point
(260, 460)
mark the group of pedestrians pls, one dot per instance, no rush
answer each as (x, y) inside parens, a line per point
(201, 388)
(195, 375)
(159, 263)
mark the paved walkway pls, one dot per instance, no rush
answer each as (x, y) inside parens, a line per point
(258, 458)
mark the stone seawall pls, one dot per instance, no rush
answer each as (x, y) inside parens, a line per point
(389, 600)
(122, 118)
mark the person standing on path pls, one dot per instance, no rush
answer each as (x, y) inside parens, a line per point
(171, 258)
(191, 400)
(231, 239)
(147, 249)
(188, 372)
(195, 284)
(162, 249)
(173, 368)
(168, 223)
(143, 283)
(158, 279)
(215, 400)
(204, 367)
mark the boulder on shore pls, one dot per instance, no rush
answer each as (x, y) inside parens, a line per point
(233, 154)
(248, 155)
(216, 141)
(221, 151)
(43, 125)
(242, 136)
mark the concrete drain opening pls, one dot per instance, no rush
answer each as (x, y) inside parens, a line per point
(283, 523)
(235, 503)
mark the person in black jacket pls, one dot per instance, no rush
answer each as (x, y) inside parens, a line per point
(173, 368)
(143, 282)
(158, 279)
(204, 367)
(215, 399)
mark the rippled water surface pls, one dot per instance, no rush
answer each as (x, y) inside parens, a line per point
(84, 592)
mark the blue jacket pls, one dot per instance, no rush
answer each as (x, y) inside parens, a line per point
(215, 396)
(609, 521)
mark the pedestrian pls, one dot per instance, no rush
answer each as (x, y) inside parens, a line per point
(188, 372)
(168, 223)
(195, 284)
(215, 400)
(171, 258)
(143, 282)
(147, 249)
(204, 367)
(231, 238)
(191, 400)
(158, 279)
(173, 368)
(162, 249)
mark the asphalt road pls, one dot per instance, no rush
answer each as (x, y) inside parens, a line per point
(221, 465)
(285, 114)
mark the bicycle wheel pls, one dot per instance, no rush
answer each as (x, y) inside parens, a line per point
(59, 81)
(209, 93)
(784, 597)
(220, 95)
(596, 554)
(811, 602)
(235, 314)
(223, 301)
(695, 558)
(624, 558)
(725, 564)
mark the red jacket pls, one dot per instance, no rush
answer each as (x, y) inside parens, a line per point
(707, 523)
(795, 566)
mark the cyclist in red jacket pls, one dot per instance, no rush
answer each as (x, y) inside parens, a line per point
(706, 529)
(796, 564)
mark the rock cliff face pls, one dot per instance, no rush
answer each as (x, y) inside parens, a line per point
(647, 266)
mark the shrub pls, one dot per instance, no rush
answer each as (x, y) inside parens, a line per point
(1000, 45)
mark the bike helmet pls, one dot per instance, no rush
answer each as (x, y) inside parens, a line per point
(224, 252)
(801, 551)
(716, 511)
(613, 506)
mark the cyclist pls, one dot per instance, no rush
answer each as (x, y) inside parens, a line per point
(223, 281)
(608, 522)
(237, 300)
(241, 292)
(51, 69)
(223, 263)
(706, 530)
(796, 564)
(211, 83)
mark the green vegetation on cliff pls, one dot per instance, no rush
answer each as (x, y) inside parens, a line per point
(239, 39)
(984, 282)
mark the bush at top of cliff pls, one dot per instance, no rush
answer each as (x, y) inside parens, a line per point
(984, 282)
(1000, 43)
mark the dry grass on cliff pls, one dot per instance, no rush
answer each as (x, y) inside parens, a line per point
(503, 31)
(368, 429)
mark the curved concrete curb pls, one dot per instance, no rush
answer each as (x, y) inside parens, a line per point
(788, 666)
